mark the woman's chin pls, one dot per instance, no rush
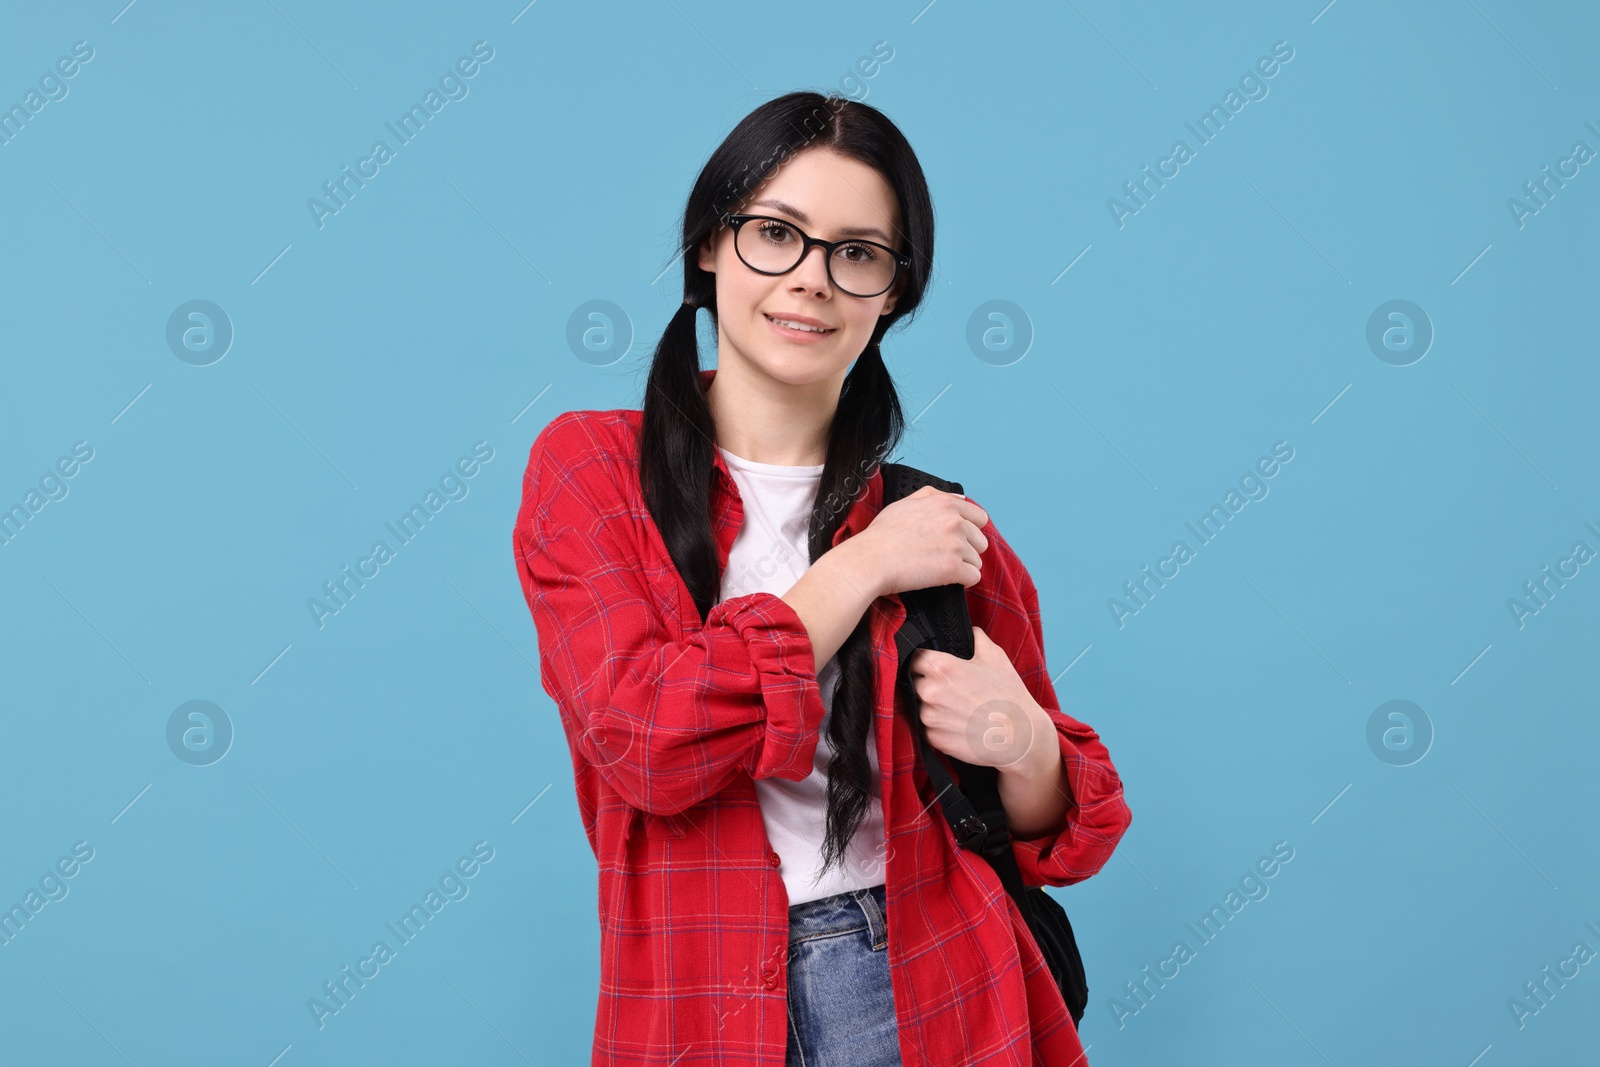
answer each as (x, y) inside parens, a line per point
(802, 370)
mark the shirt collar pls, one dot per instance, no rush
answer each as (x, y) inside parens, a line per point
(862, 510)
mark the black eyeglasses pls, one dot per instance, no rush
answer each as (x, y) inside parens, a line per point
(776, 246)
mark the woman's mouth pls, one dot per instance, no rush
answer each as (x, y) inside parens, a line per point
(796, 331)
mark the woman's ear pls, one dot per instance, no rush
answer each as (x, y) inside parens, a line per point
(894, 295)
(707, 254)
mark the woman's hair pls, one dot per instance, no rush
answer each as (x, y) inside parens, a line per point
(678, 435)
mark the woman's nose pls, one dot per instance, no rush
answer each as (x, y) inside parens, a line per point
(813, 269)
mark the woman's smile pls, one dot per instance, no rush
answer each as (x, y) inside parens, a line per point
(797, 329)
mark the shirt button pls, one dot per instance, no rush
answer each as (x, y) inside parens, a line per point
(773, 859)
(770, 981)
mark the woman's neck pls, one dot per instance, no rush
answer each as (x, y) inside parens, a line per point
(768, 421)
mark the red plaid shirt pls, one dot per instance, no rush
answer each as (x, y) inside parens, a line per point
(668, 721)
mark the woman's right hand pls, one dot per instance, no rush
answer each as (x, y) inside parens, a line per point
(928, 538)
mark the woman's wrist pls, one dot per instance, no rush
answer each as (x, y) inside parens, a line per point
(854, 560)
(1043, 757)
(1034, 790)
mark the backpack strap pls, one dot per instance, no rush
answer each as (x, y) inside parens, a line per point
(937, 618)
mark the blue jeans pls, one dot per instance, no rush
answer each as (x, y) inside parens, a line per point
(841, 1005)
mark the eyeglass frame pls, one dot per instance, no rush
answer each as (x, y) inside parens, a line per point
(901, 261)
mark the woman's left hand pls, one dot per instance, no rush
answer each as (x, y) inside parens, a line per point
(979, 710)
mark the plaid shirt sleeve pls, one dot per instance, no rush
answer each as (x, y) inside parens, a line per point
(1005, 605)
(667, 723)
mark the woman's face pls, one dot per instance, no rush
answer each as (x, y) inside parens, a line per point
(826, 195)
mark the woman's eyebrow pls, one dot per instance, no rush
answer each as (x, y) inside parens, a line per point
(804, 220)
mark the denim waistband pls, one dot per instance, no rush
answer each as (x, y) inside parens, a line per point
(842, 913)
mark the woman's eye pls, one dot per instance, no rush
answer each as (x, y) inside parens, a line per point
(859, 253)
(775, 232)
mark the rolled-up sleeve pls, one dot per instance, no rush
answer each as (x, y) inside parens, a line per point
(666, 722)
(1005, 605)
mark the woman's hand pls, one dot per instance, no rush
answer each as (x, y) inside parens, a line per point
(928, 538)
(979, 710)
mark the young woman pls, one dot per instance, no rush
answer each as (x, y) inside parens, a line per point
(714, 580)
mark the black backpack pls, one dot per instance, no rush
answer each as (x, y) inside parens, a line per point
(937, 618)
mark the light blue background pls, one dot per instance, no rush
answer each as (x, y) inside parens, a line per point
(431, 313)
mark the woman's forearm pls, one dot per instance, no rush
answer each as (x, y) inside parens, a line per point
(1034, 789)
(831, 596)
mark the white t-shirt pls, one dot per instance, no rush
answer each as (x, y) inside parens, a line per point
(769, 555)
